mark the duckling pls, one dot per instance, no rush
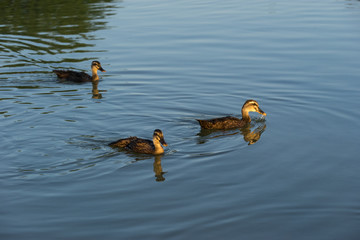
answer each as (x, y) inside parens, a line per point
(80, 76)
(140, 145)
(233, 122)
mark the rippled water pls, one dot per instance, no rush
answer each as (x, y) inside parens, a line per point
(292, 175)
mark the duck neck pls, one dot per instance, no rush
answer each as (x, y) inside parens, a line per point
(245, 116)
(94, 76)
(158, 148)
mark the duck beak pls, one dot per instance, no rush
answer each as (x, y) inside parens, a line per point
(101, 69)
(262, 112)
(162, 141)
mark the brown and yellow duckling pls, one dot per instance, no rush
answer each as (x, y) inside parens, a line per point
(140, 145)
(233, 122)
(80, 76)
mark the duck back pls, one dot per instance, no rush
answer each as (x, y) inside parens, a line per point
(122, 143)
(222, 123)
(73, 75)
(141, 146)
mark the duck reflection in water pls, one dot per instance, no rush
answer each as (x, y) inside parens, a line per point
(95, 90)
(157, 167)
(159, 174)
(250, 137)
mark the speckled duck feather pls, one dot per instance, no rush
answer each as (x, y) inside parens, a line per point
(222, 123)
(73, 76)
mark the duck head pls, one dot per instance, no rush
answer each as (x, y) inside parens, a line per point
(96, 65)
(251, 106)
(159, 137)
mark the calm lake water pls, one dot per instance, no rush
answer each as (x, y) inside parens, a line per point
(293, 175)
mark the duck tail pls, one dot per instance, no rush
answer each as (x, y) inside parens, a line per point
(201, 122)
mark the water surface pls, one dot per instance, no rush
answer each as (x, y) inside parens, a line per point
(291, 175)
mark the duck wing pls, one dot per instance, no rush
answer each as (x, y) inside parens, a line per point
(121, 143)
(141, 146)
(73, 75)
(222, 123)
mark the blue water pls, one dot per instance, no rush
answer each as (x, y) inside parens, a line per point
(167, 64)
